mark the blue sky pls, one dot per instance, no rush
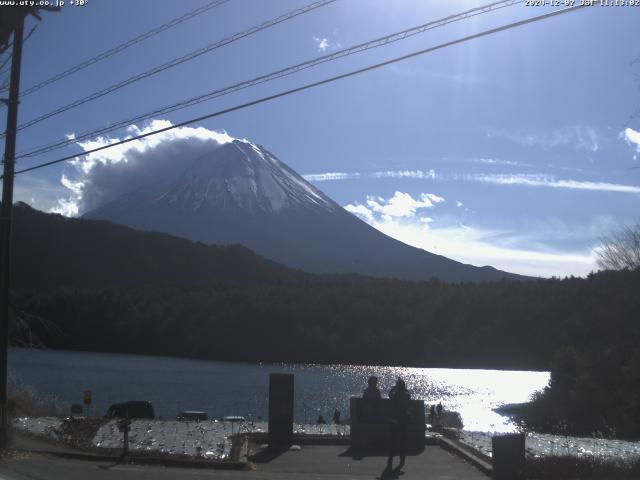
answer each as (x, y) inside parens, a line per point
(516, 150)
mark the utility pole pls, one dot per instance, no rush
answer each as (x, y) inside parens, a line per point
(11, 21)
(6, 212)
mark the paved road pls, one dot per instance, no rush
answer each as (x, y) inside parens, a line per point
(310, 463)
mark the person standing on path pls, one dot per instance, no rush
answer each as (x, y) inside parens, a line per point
(400, 397)
(336, 417)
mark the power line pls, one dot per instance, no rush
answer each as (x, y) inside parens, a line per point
(4, 70)
(123, 46)
(315, 84)
(378, 42)
(178, 61)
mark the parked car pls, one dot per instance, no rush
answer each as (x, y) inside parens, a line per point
(232, 419)
(131, 409)
(192, 416)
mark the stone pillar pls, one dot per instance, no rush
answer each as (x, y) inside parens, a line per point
(508, 456)
(280, 409)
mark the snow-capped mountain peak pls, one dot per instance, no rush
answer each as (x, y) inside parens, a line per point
(242, 176)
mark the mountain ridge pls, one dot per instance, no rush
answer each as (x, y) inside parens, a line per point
(51, 251)
(240, 193)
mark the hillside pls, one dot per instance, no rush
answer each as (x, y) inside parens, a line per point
(52, 251)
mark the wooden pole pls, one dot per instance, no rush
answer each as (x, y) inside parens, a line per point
(6, 211)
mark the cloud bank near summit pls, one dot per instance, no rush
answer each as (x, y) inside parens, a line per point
(99, 178)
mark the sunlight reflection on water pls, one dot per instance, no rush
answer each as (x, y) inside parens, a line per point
(474, 393)
(227, 388)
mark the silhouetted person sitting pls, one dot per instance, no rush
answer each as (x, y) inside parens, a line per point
(372, 390)
(399, 396)
(336, 417)
(321, 420)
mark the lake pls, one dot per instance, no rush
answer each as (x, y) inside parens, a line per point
(228, 388)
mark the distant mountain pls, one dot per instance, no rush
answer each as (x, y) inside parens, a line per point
(242, 194)
(50, 251)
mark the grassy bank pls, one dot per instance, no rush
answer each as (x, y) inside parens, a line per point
(21, 404)
(27, 403)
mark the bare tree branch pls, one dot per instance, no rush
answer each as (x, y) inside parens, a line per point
(620, 250)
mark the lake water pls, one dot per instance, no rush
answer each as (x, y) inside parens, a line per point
(227, 388)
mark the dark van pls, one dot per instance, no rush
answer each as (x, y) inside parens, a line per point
(131, 409)
(192, 416)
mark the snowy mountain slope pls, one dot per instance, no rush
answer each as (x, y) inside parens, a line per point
(241, 193)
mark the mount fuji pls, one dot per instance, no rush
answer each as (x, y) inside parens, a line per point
(240, 193)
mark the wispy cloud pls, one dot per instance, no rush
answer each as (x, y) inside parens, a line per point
(331, 176)
(417, 174)
(579, 137)
(334, 176)
(496, 161)
(534, 180)
(513, 179)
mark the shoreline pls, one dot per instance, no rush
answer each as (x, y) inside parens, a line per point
(214, 440)
(519, 414)
(295, 363)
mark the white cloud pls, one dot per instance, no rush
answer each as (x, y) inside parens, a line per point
(67, 207)
(325, 44)
(470, 245)
(75, 187)
(579, 137)
(360, 211)
(632, 138)
(403, 204)
(402, 217)
(102, 176)
(476, 246)
(400, 205)
(535, 180)
(493, 161)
